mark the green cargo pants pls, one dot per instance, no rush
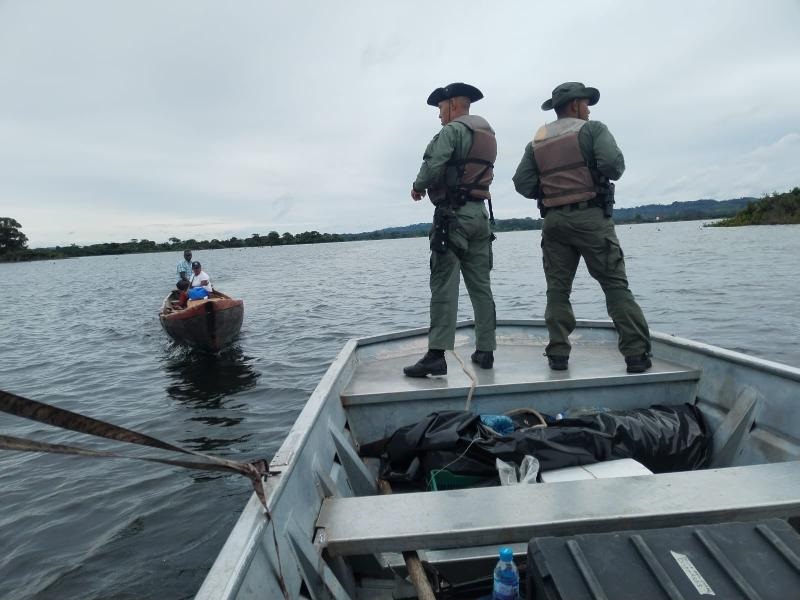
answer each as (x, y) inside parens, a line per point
(473, 258)
(568, 235)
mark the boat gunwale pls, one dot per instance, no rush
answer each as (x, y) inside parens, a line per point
(762, 364)
(244, 540)
(198, 311)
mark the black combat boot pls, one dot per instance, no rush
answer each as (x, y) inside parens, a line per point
(432, 363)
(557, 363)
(639, 363)
(483, 358)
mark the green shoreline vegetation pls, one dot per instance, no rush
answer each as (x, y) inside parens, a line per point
(777, 208)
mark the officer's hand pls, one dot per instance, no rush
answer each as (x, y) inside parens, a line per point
(417, 196)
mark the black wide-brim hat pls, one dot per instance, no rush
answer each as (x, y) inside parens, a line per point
(571, 90)
(454, 90)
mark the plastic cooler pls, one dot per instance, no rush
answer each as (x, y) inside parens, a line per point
(729, 561)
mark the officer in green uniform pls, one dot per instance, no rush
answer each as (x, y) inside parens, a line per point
(456, 172)
(567, 168)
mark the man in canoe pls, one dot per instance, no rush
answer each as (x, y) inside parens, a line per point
(568, 168)
(185, 266)
(200, 278)
(457, 169)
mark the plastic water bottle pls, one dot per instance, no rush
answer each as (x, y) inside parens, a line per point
(506, 577)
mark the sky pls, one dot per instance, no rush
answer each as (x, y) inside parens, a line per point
(207, 119)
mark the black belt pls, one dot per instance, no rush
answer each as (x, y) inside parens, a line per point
(578, 205)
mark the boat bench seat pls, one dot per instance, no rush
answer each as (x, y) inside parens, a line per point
(515, 514)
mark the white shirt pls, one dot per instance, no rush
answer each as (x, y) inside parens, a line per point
(198, 278)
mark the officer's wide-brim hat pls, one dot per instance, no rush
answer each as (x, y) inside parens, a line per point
(569, 91)
(454, 90)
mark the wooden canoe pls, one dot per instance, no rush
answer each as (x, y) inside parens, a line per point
(207, 325)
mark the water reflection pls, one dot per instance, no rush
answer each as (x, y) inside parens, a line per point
(208, 381)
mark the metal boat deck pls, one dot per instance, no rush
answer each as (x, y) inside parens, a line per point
(515, 366)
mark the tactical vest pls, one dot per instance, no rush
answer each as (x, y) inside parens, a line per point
(564, 176)
(471, 176)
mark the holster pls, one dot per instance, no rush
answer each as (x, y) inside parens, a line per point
(445, 221)
(542, 208)
(606, 197)
(538, 195)
(440, 233)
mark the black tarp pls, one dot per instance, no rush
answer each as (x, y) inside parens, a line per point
(662, 438)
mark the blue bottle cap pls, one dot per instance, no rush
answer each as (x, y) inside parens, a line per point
(506, 554)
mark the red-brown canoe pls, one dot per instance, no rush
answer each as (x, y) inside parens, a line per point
(208, 325)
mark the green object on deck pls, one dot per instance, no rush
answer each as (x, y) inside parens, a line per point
(442, 479)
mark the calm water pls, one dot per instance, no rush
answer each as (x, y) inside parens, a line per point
(84, 334)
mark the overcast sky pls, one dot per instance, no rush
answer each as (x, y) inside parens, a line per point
(202, 119)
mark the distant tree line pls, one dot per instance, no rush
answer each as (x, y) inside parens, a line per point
(13, 243)
(775, 209)
(20, 252)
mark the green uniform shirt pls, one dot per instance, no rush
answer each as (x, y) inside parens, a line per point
(598, 147)
(453, 141)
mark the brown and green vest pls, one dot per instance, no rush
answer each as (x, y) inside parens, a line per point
(564, 176)
(471, 176)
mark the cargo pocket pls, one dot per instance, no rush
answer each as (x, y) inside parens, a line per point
(615, 258)
(457, 237)
(545, 262)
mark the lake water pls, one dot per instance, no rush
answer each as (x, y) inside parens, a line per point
(84, 334)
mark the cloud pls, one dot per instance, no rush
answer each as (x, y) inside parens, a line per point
(197, 119)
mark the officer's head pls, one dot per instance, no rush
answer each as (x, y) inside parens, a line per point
(452, 108)
(572, 99)
(187, 254)
(454, 100)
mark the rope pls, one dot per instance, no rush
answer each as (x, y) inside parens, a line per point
(532, 411)
(457, 458)
(473, 381)
(33, 410)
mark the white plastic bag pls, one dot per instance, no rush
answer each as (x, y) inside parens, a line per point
(528, 471)
(507, 472)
